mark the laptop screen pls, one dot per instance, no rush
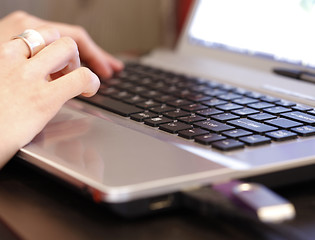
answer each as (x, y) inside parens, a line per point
(282, 30)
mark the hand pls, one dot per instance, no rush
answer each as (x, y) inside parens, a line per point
(34, 89)
(102, 63)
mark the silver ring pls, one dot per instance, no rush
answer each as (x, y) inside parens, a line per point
(33, 39)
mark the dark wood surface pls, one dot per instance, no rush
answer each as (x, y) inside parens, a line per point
(35, 206)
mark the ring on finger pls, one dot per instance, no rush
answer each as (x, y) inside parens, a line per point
(33, 39)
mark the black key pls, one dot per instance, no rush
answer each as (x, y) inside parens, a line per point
(148, 104)
(245, 101)
(162, 109)
(209, 112)
(283, 123)
(300, 116)
(209, 138)
(134, 99)
(252, 125)
(228, 144)
(285, 103)
(214, 102)
(176, 114)
(179, 102)
(194, 107)
(191, 119)
(269, 99)
(281, 135)
(141, 116)
(245, 111)
(213, 126)
(214, 92)
(223, 117)
(302, 108)
(236, 133)
(174, 127)
(107, 91)
(229, 96)
(304, 130)
(260, 105)
(155, 122)
(164, 98)
(254, 95)
(262, 117)
(192, 133)
(113, 105)
(122, 95)
(229, 107)
(151, 94)
(311, 112)
(197, 97)
(277, 110)
(254, 140)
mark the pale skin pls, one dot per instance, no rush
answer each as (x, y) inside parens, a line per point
(34, 89)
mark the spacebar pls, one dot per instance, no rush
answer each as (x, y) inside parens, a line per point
(112, 105)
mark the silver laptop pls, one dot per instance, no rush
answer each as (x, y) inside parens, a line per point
(235, 99)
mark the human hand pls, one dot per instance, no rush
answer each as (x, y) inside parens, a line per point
(102, 63)
(34, 89)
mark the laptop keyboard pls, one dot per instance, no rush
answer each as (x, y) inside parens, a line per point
(209, 113)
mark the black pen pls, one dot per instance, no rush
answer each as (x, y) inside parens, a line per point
(296, 74)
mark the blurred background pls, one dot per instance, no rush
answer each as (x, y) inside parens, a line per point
(119, 26)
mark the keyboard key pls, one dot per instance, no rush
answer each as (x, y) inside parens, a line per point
(174, 127)
(141, 116)
(192, 133)
(236, 133)
(283, 123)
(281, 135)
(191, 118)
(113, 105)
(229, 96)
(228, 144)
(155, 122)
(262, 117)
(245, 101)
(229, 107)
(209, 138)
(285, 103)
(176, 114)
(245, 112)
(213, 126)
(252, 125)
(223, 117)
(214, 102)
(260, 105)
(302, 108)
(148, 104)
(208, 112)
(304, 130)
(193, 107)
(300, 116)
(269, 99)
(277, 110)
(254, 140)
(135, 99)
(162, 109)
(179, 102)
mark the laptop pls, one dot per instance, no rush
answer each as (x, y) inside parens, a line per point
(235, 99)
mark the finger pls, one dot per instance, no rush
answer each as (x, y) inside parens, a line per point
(80, 81)
(100, 61)
(20, 48)
(61, 57)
